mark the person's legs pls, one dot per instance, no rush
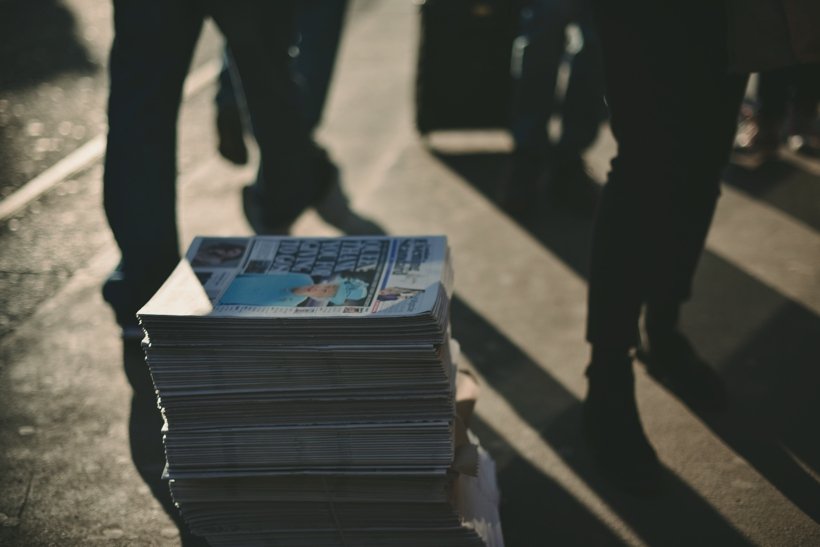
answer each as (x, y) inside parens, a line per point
(642, 115)
(150, 56)
(318, 25)
(318, 28)
(538, 53)
(673, 106)
(153, 44)
(673, 109)
(259, 35)
(714, 99)
(618, 263)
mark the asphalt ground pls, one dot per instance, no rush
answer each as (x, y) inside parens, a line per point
(70, 476)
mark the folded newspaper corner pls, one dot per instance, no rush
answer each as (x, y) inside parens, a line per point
(312, 395)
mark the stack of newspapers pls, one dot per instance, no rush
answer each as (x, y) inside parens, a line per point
(308, 387)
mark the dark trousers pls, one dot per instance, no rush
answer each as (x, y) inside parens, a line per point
(673, 109)
(317, 33)
(153, 44)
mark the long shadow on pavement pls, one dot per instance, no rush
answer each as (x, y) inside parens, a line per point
(783, 185)
(770, 372)
(534, 505)
(679, 517)
(145, 437)
(535, 509)
(39, 43)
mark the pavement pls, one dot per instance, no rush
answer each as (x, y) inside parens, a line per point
(77, 451)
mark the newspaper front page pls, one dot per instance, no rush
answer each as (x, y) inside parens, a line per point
(269, 276)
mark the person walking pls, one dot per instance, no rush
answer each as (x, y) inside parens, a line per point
(673, 111)
(150, 56)
(673, 103)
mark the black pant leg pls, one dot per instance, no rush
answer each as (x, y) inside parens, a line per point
(150, 56)
(673, 108)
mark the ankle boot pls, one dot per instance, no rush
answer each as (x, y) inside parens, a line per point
(614, 432)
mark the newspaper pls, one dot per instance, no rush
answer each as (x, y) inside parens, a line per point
(308, 387)
(268, 276)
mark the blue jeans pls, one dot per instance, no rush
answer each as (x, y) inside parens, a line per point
(150, 56)
(542, 36)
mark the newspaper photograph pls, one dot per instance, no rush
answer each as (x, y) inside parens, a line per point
(271, 276)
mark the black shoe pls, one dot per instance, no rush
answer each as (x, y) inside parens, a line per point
(615, 435)
(326, 196)
(254, 210)
(118, 293)
(672, 361)
(127, 295)
(569, 186)
(518, 191)
(231, 135)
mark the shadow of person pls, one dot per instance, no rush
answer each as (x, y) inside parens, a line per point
(767, 354)
(567, 231)
(335, 209)
(555, 191)
(679, 516)
(145, 437)
(535, 509)
(39, 42)
(681, 370)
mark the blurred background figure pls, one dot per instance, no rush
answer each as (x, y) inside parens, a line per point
(785, 110)
(538, 53)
